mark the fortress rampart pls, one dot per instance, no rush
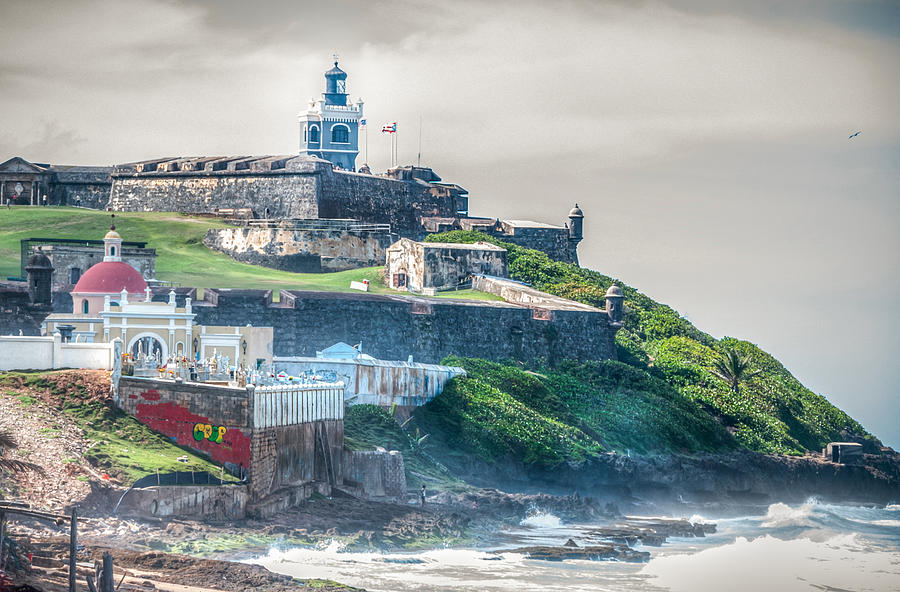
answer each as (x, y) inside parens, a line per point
(303, 250)
(301, 187)
(394, 327)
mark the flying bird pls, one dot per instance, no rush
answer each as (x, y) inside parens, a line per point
(854, 135)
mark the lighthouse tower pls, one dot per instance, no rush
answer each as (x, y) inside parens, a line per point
(329, 129)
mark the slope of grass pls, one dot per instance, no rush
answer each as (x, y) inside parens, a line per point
(548, 416)
(122, 447)
(369, 426)
(182, 258)
(772, 412)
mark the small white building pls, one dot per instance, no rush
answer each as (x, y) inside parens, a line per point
(428, 268)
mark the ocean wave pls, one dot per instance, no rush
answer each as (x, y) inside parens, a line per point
(769, 563)
(541, 519)
(698, 519)
(780, 515)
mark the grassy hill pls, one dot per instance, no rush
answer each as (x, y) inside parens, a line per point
(662, 396)
(182, 258)
(118, 444)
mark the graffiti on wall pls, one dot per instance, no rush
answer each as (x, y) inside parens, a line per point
(205, 431)
(224, 445)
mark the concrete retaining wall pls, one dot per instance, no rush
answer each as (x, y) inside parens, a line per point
(217, 502)
(296, 437)
(381, 475)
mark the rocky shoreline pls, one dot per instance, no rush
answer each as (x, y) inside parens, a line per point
(189, 552)
(162, 552)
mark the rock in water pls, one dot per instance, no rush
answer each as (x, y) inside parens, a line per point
(600, 552)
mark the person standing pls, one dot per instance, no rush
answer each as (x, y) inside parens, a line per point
(422, 495)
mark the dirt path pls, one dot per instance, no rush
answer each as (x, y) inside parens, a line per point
(46, 437)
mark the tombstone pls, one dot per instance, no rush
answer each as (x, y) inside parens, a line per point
(65, 331)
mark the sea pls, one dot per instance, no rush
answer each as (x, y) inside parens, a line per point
(815, 547)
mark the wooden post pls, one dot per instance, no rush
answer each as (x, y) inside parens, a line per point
(107, 584)
(2, 536)
(73, 547)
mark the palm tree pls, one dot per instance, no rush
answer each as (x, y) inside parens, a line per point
(12, 465)
(734, 367)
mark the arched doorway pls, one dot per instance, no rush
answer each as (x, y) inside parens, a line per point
(148, 346)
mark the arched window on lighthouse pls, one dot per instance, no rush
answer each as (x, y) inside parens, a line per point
(313, 134)
(340, 134)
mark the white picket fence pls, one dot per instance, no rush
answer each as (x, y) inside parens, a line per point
(284, 405)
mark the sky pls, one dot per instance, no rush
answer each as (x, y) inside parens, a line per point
(705, 140)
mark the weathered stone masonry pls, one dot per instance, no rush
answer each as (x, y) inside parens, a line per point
(300, 250)
(276, 447)
(280, 187)
(394, 327)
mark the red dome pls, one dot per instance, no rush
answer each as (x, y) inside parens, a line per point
(109, 277)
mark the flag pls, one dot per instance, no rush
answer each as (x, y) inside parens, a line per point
(389, 128)
(362, 123)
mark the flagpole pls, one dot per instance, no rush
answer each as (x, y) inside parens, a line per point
(419, 156)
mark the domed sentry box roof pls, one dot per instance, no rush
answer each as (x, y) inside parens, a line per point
(38, 261)
(576, 212)
(109, 277)
(614, 291)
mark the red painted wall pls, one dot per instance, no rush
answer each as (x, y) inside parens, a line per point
(177, 422)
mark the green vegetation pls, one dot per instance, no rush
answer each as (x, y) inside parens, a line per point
(182, 258)
(766, 410)
(734, 368)
(565, 414)
(124, 448)
(369, 426)
(468, 295)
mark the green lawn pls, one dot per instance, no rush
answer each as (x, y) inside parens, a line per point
(178, 239)
(468, 295)
(182, 258)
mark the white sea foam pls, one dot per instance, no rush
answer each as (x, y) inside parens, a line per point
(780, 515)
(890, 523)
(768, 563)
(698, 519)
(541, 519)
(894, 507)
(434, 569)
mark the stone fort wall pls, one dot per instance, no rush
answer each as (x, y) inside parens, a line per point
(555, 243)
(395, 327)
(302, 251)
(290, 187)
